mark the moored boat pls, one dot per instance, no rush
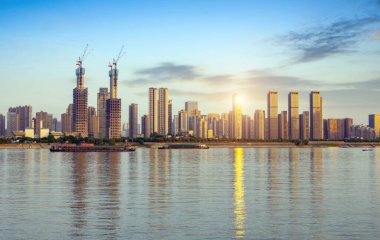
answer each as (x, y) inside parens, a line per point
(185, 146)
(90, 148)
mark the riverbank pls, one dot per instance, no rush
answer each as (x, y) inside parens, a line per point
(339, 144)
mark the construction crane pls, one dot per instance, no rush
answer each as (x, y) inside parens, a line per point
(84, 56)
(80, 70)
(115, 61)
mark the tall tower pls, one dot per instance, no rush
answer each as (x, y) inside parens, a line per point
(93, 123)
(80, 96)
(272, 101)
(103, 96)
(259, 125)
(113, 105)
(316, 116)
(293, 114)
(153, 110)
(133, 112)
(170, 117)
(163, 112)
(2, 125)
(237, 128)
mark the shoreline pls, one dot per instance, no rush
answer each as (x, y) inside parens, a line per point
(318, 144)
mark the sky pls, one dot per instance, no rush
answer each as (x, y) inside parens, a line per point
(200, 50)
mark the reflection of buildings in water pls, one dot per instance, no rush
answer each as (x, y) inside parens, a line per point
(294, 181)
(79, 178)
(109, 180)
(316, 181)
(272, 168)
(239, 200)
(159, 194)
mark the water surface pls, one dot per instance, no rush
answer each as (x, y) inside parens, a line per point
(220, 193)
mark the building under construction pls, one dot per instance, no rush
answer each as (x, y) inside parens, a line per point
(113, 109)
(80, 96)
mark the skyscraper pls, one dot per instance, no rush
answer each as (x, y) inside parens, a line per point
(190, 107)
(237, 124)
(25, 114)
(93, 123)
(183, 126)
(374, 122)
(113, 105)
(103, 96)
(304, 125)
(293, 114)
(316, 116)
(67, 119)
(2, 125)
(153, 110)
(259, 125)
(283, 125)
(145, 126)
(246, 126)
(80, 97)
(13, 122)
(133, 124)
(272, 101)
(42, 121)
(170, 117)
(163, 112)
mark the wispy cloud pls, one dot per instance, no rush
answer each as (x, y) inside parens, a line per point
(376, 34)
(323, 41)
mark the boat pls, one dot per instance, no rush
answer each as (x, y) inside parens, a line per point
(367, 150)
(90, 148)
(184, 146)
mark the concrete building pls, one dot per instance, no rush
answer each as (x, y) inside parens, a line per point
(113, 106)
(316, 116)
(272, 102)
(246, 120)
(183, 126)
(42, 121)
(212, 119)
(163, 112)
(80, 108)
(102, 97)
(259, 125)
(304, 125)
(347, 127)
(2, 125)
(293, 116)
(362, 132)
(374, 122)
(93, 123)
(66, 120)
(153, 110)
(283, 125)
(133, 120)
(13, 123)
(25, 115)
(176, 125)
(145, 125)
(202, 128)
(29, 132)
(170, 117)
(237, 124)
(191, 107)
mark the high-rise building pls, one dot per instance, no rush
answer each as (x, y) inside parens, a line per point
(374, 122)
(246, 120)
(103, 96)
(237, 126)
(93, 123)
(170, 117)
(163, 112)
(175, 125)
(316, 116)
(272, 101)
(191, 107)
(42, 121)
(2, 125)
(304, 125)
(66, 120)
(293, 114)
(153, 110)
(283, 125)
(133, 118)
(113, 105)
(347, 127)
(13, 123)
(212, 119)
(25, 115)
(183, 126)
(259, 125)
(202, 128)
(145, 126)
(331, 129)
(80, 98)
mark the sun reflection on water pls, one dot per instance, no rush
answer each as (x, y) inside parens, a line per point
(240, 212)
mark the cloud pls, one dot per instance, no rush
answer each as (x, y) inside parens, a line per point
(323, 41)
(376, 34)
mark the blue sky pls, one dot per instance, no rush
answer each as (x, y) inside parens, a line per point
(200, 50)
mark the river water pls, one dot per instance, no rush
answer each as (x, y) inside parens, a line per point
(219, 193)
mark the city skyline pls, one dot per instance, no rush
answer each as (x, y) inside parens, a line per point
(194, 56)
